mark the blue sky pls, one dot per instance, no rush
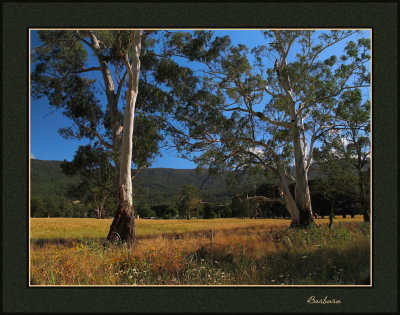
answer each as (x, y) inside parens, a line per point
(47, 144)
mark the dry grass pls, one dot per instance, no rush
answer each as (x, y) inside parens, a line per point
(200, 252)
(74, 228)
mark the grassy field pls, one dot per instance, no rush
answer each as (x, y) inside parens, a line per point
(67, 251)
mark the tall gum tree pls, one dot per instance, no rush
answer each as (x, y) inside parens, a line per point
(64, 72)
(238, 114)
(123, 225)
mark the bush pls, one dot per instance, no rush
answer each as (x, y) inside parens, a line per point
(146, 212)
(208, 211)
(37, 207)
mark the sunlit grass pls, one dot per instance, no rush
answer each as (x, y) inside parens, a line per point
(73, 228)
(201, 252)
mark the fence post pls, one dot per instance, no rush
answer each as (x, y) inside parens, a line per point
(212, 247)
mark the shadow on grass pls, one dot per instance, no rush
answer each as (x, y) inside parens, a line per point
(68, 242)
(328, 265)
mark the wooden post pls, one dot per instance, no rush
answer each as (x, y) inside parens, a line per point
(212, 247)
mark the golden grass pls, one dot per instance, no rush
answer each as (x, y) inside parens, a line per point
(182, 252)
(75, 228)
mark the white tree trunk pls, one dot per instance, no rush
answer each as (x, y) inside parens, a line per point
(290, 203)
(123, 226)
(302, 191)
(129, 117)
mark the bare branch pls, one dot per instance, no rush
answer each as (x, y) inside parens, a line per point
(265, 199)
(88, 69)
(120, 85)
(137, 172)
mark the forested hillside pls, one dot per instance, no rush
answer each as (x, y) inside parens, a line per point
(152, 186)
(47, 180)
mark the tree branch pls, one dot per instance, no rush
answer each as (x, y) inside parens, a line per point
(137, 172)
(265, 199)
(88, 69)
(98, 136)
(260, 116)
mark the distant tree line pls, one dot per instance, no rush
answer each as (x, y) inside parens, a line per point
(348, 201)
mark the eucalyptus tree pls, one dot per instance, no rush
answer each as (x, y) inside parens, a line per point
(336, 173)
(188, 201)
(239, 113)
(65, 69)
(354, 145)
(93, 164)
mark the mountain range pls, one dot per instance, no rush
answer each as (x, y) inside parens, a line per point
(152, 186)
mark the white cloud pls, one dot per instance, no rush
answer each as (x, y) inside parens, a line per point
(345, 141)
(33, 157)
(255, 150)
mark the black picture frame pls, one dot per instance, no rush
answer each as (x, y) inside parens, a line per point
(18, 17)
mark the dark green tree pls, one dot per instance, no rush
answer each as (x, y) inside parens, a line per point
(37, 207)
(208, 211)
(236, 206)
(146, 212)
(336, 176)
(189, 200)
(355, 113)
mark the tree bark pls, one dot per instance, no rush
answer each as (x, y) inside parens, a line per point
(300, 210)
(302, 190)
(123, 226)
(290, 203)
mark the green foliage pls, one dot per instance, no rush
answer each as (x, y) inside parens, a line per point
(95, 168)
(37, 207)
(188, 201)
(208, 211)
(146, 212)
(240, 208)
